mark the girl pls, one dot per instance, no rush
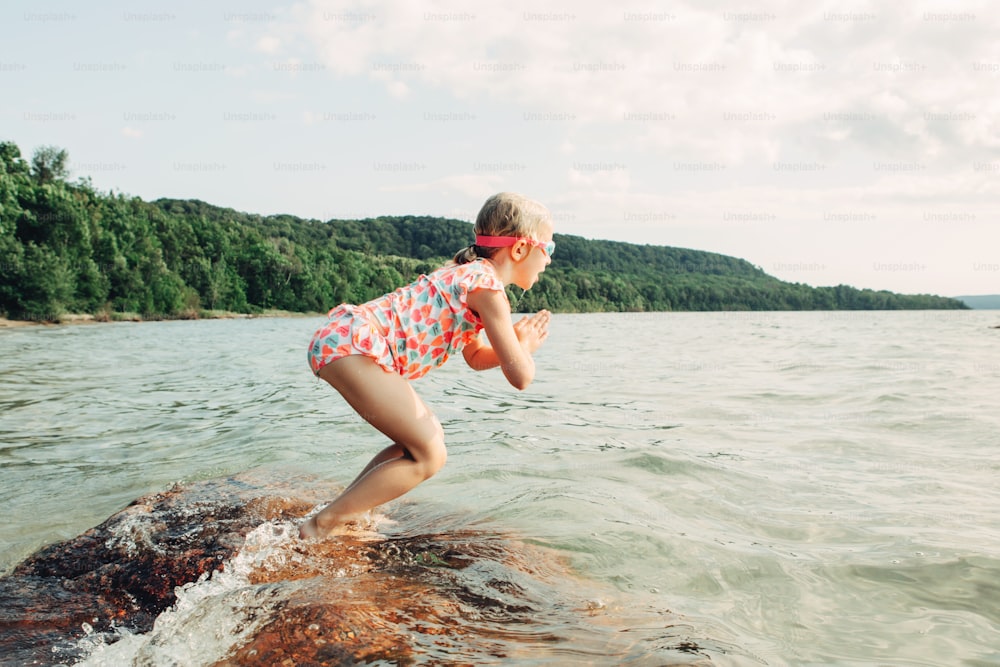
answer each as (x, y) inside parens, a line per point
(370, 352)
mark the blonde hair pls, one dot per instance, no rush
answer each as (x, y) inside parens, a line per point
(505, 214)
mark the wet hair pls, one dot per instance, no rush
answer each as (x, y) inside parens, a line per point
(505, 214)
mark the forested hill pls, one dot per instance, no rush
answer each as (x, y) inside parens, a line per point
(64, 247)
(586, 275)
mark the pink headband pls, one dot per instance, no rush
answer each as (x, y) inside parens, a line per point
(496, 241)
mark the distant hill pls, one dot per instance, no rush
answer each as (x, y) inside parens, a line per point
(67, 248)
(981, 302)
(595, 275)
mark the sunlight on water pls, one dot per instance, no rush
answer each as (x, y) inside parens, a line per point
(773, 488)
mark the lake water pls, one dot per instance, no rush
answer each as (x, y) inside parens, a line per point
(795, 488)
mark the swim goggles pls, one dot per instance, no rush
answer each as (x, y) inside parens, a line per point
(503, 241)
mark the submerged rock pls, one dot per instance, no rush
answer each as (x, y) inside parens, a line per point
(212, 573)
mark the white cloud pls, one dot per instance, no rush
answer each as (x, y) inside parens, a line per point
(131, 133)
(268, 44)
(709, 67)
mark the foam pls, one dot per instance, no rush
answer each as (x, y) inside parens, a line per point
(211, 617)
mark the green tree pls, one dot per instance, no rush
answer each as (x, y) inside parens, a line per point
(49, 163)
(66, 247)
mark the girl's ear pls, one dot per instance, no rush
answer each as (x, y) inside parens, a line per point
(517, 251)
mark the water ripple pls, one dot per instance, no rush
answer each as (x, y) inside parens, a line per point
(793, 488)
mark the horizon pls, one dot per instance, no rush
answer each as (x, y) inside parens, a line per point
(826, 145)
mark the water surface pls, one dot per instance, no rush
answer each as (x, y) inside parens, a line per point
(795, 488)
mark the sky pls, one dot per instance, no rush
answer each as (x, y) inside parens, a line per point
(827, 143)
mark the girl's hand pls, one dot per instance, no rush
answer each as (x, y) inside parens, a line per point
(510, 345)
(532, 330)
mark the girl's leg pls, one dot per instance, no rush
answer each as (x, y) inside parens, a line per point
(393, 451)
(387, 402)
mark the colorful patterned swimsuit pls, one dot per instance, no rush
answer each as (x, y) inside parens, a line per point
(412, 330)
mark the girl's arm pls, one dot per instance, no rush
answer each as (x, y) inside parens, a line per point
(510, 345)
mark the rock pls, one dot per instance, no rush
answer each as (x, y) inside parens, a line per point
(124, 572)
(213, 571)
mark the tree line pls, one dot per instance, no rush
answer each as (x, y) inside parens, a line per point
(67, 248)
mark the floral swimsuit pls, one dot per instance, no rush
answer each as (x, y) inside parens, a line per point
(412, 330)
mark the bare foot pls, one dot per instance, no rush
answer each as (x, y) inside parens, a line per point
(311, 529)
(308, 529)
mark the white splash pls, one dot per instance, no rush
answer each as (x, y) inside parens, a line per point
(212, 616)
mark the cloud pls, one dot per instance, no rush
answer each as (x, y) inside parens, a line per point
(739, 86)
(268, 44)
(131, 133)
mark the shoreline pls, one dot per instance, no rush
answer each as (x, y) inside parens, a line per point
(117, 318)
(70, 319)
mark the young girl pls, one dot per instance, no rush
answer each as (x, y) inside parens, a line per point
(370, 352)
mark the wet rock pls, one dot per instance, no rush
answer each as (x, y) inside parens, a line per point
(124, 572)
(458, 596)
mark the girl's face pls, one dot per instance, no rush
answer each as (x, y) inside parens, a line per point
(533, 261)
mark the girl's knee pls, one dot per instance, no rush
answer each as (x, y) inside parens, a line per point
(432, 454)
(437, 459)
